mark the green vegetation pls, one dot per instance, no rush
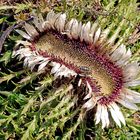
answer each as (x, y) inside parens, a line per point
(32, 105)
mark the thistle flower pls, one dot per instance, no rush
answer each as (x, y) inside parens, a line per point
(72, 49)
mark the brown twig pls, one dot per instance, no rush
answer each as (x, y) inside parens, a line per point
(4, 35)
(8, 31)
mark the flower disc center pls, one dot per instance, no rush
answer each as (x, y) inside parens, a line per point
(73, 52)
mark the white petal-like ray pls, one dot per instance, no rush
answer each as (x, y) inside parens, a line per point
(64, 71)
(37, 24)
(90, 91)
(74, 29)
(50, 15)
(118, 112)
(127, 104)
(21, 53)
(97, 35)
(131, 96)
(82, 33)
(104, 116)
(55, 68)
(54, 19)
(80, 82)
(24, 34)
(90, 103)
(46, 25)
(125, 58)
(42, 65)
(132, 92)
(98, 114)
(92, 32)
(119, 52)
(87, 96)
(87, 31)
(31, 30)
(114, 115)
(34, 60)
(68, 28)
(130, 71)
(132, 83)
(26, 60)
(60, 22)
(79, 28)
(89, 87)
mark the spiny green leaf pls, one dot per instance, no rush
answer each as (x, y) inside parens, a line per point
(6, 57)
(72, 129)
(28, 105)
(31, 128)
(7, 77)
(59, 92)
(26, 80)
(58, 113)
(2, 19)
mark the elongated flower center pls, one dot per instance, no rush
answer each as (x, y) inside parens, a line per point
(75, 54)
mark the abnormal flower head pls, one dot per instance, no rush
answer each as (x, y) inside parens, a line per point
(72, 49)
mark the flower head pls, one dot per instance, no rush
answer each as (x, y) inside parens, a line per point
(72, 49)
